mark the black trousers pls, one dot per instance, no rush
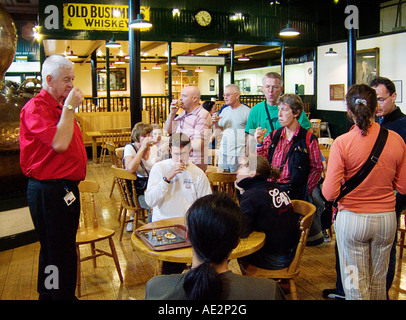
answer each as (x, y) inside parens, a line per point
(56, 225)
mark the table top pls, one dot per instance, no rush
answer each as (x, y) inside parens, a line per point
(253, 243)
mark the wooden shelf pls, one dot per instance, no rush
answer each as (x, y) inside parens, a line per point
(181, 80)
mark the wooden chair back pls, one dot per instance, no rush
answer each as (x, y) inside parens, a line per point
(128, 194)
(223, 182)
(306, 210)
(88, 217)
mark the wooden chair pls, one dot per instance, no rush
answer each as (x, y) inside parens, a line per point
(223, 182)
(307, 210)
(117, 156)
(315, 126)
(325, 143)
(129, 203)
(108, 136)
(90, 232)
(402, 231)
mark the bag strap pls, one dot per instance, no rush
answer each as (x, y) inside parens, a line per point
(269, 116)
(355, 180)
(141, 163)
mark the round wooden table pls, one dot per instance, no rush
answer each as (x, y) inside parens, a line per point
(253, 243)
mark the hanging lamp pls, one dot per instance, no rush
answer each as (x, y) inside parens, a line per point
(243, 58)
(113, 44)
(199, 70)
(289, 32)
(330, 52)
(156, 66)
(140, 22)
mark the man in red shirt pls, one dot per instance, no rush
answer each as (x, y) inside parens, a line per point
(53, 156)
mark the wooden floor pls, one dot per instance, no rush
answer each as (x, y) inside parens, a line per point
(18, 267)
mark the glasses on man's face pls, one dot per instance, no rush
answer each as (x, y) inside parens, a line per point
(226, 95)
(382, 100)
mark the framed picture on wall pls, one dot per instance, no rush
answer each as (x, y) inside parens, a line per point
(398, 85)
(118, 79)
(367, 65)
(337, 92)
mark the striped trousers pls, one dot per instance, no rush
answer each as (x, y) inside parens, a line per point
(364, 242)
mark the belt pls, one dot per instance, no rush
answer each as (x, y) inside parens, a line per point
(64, 181)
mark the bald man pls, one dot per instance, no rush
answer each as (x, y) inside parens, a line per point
(194, 121)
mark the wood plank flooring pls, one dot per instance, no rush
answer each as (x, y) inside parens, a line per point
(18, 267)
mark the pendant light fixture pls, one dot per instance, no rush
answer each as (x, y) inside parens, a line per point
(113, 44)
(156, 66)
(330, 52)
(224, 48)
(119, 61)
(243, 58)
(69, 54)
(140, 22)
(199, 70)
(289, 32)
(145, 69)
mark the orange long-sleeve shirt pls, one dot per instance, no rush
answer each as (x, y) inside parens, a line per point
(348, 154)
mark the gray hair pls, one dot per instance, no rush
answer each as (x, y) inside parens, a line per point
(273, 75)
(52, 66)
(234, 87)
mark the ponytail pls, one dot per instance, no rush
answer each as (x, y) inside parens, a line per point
(203, 283)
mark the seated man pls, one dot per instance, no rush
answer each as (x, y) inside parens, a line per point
(174, 184)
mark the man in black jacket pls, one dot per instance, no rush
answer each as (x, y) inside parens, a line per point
(390, 117)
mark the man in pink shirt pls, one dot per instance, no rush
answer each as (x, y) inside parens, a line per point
(194, 121)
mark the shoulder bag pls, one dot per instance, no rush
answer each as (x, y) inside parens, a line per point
(354, 181)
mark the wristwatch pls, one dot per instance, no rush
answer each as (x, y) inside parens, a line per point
(166, 180)
(69, 107)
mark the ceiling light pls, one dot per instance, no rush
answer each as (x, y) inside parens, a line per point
(145, 69)
(156, 66)
(183, 70)
(199, 70)
(113, 44)
(69, 54)
(176, 12)
(173, 62)
(140, 22)
(330, 52)
(112, 66)
(224, 48)
(190, 53)
(119, 61)
(243, 58)
(289, 32)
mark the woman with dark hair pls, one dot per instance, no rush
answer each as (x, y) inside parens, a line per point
(366, 222)
(214, 224)
(267, 208)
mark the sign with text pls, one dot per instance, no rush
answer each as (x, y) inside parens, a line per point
(201, 60)
(86, 16)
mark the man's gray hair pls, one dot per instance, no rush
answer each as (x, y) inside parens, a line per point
(234, 87)
(273, 75)
(53, 65)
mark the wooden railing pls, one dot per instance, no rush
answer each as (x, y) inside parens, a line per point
(156, 108)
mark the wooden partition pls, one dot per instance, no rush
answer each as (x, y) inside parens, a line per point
(96, 121)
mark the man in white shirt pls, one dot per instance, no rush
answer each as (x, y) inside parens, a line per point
(232, 121)
(174, 184)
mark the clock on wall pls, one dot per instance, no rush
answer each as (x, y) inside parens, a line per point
(203, 18)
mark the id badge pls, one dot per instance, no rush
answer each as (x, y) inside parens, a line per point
(69, 197)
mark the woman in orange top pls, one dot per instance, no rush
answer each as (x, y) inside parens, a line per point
(366, 222)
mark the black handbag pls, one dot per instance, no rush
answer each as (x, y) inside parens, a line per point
(354, 181)
(142, 182)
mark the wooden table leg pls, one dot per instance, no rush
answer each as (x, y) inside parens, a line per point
(94, 150)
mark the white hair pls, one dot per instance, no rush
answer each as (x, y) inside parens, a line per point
(52, 66)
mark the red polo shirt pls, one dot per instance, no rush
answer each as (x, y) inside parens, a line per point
(38, 121)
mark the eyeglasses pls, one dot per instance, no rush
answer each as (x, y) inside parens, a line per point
(382, 100)
(228, 94)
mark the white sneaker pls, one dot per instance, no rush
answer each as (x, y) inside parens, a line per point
(130, 225)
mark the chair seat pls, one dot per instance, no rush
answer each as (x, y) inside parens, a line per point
(253, 271)
(86, 235)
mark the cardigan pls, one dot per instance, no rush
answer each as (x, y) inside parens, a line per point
(348, 154)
